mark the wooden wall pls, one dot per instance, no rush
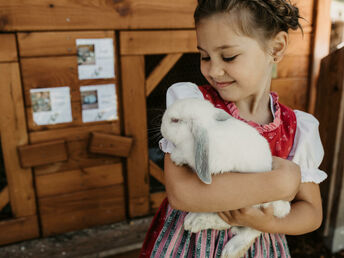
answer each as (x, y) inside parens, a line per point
(99, 173)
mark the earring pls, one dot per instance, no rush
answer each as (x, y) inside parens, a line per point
(275, 59)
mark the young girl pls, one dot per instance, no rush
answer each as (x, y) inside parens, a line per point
(239, 41)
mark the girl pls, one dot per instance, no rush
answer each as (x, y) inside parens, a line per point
(239, 41)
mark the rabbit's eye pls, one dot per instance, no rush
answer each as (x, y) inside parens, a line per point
(174, 120)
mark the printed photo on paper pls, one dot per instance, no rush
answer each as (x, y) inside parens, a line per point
(51, 105)
(99, 103)
(95, 58)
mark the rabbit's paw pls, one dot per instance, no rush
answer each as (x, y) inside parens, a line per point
(196, 222)
(236, 230)
(235, 249)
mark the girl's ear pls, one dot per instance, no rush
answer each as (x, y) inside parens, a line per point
(278, 46)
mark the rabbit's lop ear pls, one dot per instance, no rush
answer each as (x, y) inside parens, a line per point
(201, 142)
(221, 115)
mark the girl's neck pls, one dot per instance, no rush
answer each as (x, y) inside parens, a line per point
(256, 108)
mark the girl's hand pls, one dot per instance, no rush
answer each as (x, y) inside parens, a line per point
(261, 219)
(290, 173)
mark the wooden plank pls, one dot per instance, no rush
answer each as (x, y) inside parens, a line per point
(299, 44)
(110, 144)
(19, 229)
(74, 133)
(8, 50)
(42, 153)
(293, 66)
(292, 92)
(157, 42)
(23, 15)
(306, 10)
(321, 45)
(160, 71)
(135, 125)
(4, 197)
(34, 44)
(79, 180)
(82, 209)
(78, 157)
(156, 200)
(156, 172)
(13, 133)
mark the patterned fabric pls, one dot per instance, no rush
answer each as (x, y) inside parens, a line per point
(167, 237)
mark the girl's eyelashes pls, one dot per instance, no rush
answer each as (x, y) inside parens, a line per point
(225, 59)
(229, 59)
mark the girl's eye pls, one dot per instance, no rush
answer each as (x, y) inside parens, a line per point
(229, 59)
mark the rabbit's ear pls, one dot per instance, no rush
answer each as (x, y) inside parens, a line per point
(201, 142)
(221, 115)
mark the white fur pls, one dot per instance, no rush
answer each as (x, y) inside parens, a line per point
(203, 134)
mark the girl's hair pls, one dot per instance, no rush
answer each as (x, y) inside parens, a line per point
(262, 18)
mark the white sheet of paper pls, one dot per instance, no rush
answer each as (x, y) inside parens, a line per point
(51, 105)
(95, 58)
(99, 103)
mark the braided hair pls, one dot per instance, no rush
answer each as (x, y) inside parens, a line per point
(263, 17)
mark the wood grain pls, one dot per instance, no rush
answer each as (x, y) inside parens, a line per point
(135, 125)
(13, 132)
(35, 44)
(110, 144)
(78, 157)
(83, 209)
(79, 180)
(8, 50)
(157, 42)
(160, 71)
(156, 200)
(18, 229)
(4, 197)
(321, 45)
(42, 153)
(292, 92)
(22, 15)
(156, 172)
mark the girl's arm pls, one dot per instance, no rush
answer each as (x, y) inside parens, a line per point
(305, 215)
(229, 191)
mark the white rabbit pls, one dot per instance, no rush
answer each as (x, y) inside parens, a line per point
(211, 141)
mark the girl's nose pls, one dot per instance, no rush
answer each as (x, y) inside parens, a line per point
(216, 70)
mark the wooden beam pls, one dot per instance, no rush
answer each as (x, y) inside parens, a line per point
(157, 42)
(14, 133)
(4, 198)
(135, 125)
(156, 172)
(110, 144)
(160, 71)
(35, 44)
(44, 15)
(8, 50)
(321, 46)
(19, 229)
(42, 153)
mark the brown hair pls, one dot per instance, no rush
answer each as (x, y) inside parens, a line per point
(262, 18)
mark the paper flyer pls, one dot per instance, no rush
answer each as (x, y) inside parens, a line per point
(99, 103)
(51, 105)
(95, 58)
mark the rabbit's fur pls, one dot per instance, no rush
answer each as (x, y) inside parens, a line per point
(211, 141)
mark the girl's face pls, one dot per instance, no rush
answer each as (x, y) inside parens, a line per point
(235, 65)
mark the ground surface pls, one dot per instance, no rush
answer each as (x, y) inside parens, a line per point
(123, 240)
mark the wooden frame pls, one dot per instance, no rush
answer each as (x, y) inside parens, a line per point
(13, 132)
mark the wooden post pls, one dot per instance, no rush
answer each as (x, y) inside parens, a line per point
(13, 132)
(321, 46)
(135, 124)
(330, 112)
